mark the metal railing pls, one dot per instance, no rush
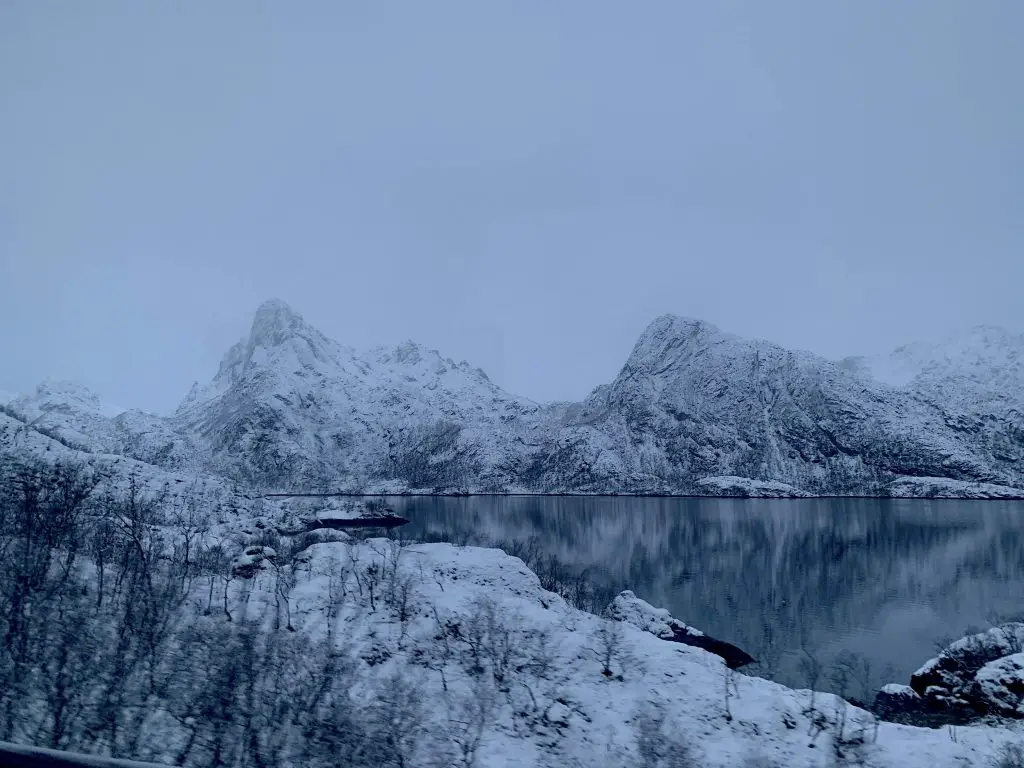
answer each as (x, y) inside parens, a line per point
(22, 756)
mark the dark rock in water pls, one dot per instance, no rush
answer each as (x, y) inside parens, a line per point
(313, 513)
(734, 656)
(659, 622)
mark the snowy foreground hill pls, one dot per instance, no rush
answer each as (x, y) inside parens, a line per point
(483, 665)
(694, 410)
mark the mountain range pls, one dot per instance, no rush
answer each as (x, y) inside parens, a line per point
(694, 410)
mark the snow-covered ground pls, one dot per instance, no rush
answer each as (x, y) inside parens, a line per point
(577, 690)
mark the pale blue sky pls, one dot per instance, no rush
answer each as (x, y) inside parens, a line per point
(524, 185)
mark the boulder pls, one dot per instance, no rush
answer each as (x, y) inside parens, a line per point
(897, 702)
(998, 686)
(249, 563)
(952, 672)
(629, 608)
(979, 675)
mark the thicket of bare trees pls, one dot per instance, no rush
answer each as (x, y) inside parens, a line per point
(103, 641)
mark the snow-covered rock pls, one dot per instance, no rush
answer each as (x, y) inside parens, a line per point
(977, 675)
(1000, 685)
(945, 488)
(657, 621)
(954, 668)
(249, 563)
(897, 702)
(745, 487)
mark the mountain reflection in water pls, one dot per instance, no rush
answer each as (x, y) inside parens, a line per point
(882, 578)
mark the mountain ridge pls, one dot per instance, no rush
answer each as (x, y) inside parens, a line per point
(693, 410)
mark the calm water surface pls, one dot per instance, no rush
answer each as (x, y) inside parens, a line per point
(885, 579)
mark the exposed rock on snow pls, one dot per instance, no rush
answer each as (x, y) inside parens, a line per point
(898, 703)
(954, 668)
(249, 563)
(660, 623)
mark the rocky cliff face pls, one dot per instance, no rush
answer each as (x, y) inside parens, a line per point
(290, 409)
(693, 402)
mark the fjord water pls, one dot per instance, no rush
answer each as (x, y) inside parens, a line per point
(882, 578)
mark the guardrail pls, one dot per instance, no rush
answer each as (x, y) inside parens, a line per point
(21, 756)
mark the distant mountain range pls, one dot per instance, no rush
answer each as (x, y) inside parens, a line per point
(694, 410)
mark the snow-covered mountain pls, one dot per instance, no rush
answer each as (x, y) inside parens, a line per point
(693, 401)
(693, 410)
(980, 372)
(290, 408)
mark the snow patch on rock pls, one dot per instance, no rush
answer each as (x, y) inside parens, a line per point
(727, 485)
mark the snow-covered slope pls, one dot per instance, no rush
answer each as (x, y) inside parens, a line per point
(980, 371)
(575, 689)
(75, 415)
(694, 410)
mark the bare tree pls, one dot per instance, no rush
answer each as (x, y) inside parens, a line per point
(609, 650)
(657, 744)
(469, 717)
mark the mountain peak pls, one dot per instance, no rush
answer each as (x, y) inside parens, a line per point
(274, 323)
(678, 324)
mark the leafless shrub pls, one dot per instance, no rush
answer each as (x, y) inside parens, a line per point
(1010, 756)
(608, 648)
(658, 745)
(469, 717)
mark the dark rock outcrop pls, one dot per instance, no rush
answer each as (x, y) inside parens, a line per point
(659, 622)
(898, 703)
(977, 676)
(248, 564)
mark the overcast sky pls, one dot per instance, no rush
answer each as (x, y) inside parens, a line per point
(524, 185)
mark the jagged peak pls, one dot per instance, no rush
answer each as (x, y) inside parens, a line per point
(681, 324)
(410, 352)
(276, 322)
(62, 393)
(667, 332)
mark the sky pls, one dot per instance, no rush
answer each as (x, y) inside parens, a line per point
(521, 185)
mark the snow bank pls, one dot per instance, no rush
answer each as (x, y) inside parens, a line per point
(944, 488)
(730, 485)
